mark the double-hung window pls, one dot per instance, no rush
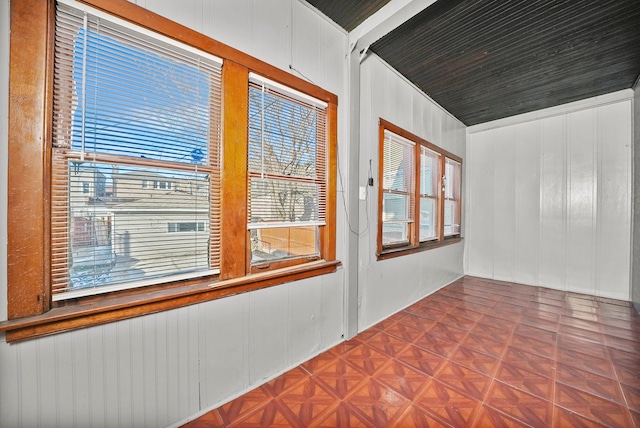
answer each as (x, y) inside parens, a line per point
(129, 109)
(287, 172)
(419, 196)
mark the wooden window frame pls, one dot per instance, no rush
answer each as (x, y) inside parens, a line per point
(31, 312)
(415, 245)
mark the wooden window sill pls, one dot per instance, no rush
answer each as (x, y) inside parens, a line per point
(117, 308)
(389, 253)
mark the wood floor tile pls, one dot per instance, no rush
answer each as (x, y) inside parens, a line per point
(484, 344)
(477, 353)
(530, 343)
(597, 365)
(286, 381)
(404, 332)
(463, 379)
(307, 403)
(387, 344)
(340, 378)
(529, 361)
(270, 415)
(489, 417)
(402, 378)
(592, 383)
(436, 344)
(342, 416)
(366, 359)
(563, 418)
(415, 417)
(525, 380)
(242, 406)
(448, 405)
(422, 360)
(525, 407)
(378, 404)
(632, 396)
(475, 360)
(592, 407)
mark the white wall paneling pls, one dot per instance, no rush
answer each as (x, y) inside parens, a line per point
(550, 198)
(635, 272)
(388, 286)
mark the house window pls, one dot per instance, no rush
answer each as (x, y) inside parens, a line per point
(141, 110)
(287, 171)
(419, 195)
(190, 226)
(127, 103)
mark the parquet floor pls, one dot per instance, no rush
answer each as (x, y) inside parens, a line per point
(476, 353)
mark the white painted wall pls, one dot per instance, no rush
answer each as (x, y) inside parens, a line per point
(550, 197)
(387, 286)
(162, 369)
(635, 269)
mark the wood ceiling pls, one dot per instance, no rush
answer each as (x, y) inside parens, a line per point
(488, 59)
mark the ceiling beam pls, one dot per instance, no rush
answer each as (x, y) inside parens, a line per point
(385, 20)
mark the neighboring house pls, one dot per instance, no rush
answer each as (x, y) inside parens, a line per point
(147, 225)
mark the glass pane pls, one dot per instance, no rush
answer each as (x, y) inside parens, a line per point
(283, 242)
(135, 223)
(395, 207)
(283, 135)
(282, 201)
(429, 162)
(398, 166)
(394, 233)
(132, 100)
(427, 219)
(451, 220)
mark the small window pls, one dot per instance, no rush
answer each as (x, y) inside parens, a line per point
(287, 172)
(419, 193)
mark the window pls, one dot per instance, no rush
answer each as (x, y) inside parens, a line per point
(130, 108)
(287, 172)
(130, 176)
(419, 199)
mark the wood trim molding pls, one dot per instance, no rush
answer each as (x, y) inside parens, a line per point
(118, 308)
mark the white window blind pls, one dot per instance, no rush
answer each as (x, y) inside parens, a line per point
(398, 185)
(136, 121)
(287, 170)
(429, 173)
(452, 179)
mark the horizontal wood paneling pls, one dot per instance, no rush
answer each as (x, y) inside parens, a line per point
(550, 200)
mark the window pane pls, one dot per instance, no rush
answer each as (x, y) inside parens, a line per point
(427, 219)
(121, 232)
(398, 166)
(395, 207)
(287, 173)
(394, 233)
(452, 197)
(283, 242)
(429, 164)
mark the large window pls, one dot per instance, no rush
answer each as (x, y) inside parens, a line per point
(163, 169)
(419, 199)
(129, 109)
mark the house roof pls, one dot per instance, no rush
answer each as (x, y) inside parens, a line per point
(488, 59)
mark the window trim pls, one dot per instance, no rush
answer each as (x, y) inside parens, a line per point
(414, 245)
(30, 309)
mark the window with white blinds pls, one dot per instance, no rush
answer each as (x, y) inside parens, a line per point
(452, 176)
(287, 171)
(136, 157)
(420, 198)
(398, 184)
